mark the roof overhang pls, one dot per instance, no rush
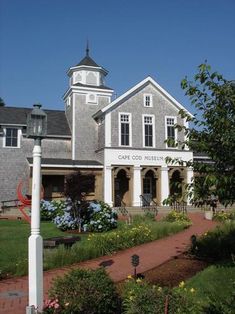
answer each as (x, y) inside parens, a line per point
(86, 68)
(67, 163)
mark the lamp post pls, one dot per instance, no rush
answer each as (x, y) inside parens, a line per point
(36, 129)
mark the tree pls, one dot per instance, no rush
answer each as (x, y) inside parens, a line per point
(2, 102)
(213, 134)
(77, 186)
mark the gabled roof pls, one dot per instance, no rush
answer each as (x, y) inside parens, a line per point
(57, 124)
(133, 90)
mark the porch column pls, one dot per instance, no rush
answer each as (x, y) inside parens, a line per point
(189, 180)
(136, 185)
(164, 183)
(108, 185)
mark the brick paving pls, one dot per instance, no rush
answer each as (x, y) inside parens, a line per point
(14, 292)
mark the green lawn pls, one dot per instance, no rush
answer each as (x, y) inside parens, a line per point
(14, 244)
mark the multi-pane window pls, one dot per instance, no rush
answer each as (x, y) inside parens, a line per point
(170, 122)
(147, 100)
(148, 131)
(11, 137)
(125, 129)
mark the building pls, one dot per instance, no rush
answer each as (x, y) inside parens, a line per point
(121, 141)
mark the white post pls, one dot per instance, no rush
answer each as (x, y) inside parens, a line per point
(35, 240)
(108, 187)
(136, 186)
(189, 180)
(164, 183)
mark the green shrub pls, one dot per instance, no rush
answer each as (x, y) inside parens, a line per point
(223, 216)
(217, 244)
(83, 292)
(150, 215)
(140, 297)
(174, 216)
(102, 218)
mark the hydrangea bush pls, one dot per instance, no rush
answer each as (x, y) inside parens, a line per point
(102, 218)
(49, 210)
(92, 216)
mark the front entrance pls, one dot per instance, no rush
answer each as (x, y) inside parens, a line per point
(176, 188)
(121, 188)
(149, 187)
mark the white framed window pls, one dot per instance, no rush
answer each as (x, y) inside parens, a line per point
(11, 137)
(170, 131)
(148, 130)
(125, 129)
(148, 100)
(91, 98)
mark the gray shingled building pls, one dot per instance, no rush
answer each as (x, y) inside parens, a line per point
(120, 141)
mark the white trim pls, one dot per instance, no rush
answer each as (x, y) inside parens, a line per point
(150, 100)
(68, 166)
(73, 126)
(173, 101)
(107, 129)
(84, 89)
(143, 130)
(130, 128)
(176, 133)
(19, 134)
(86, 67)
(13, 125)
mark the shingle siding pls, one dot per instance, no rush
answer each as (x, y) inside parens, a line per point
(14, 166)
(86, 128)
(135, 105)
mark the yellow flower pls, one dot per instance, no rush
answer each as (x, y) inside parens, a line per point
(159, 289)
(181, 284)
(129, 277)
(192, 290)
(138, 280)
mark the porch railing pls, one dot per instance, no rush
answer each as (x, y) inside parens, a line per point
(180, 207)
(148, 205)
(121, 206)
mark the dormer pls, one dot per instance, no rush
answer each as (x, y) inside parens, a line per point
(87, 72)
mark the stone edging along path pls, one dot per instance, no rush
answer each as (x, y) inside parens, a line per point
(14, 292)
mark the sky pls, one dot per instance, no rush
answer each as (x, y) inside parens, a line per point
(166, 39)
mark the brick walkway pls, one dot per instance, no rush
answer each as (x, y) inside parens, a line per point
(13, 292)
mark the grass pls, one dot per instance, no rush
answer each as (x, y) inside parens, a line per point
(14, 244)
(215, 287)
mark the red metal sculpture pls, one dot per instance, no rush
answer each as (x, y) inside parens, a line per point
(25, 200)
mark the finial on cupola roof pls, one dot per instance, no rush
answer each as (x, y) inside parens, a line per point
(87, 48)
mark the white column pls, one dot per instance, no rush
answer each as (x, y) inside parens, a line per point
(189, 181)
(164, 183)
(35, 240)
(136, 186)
(108, 188)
